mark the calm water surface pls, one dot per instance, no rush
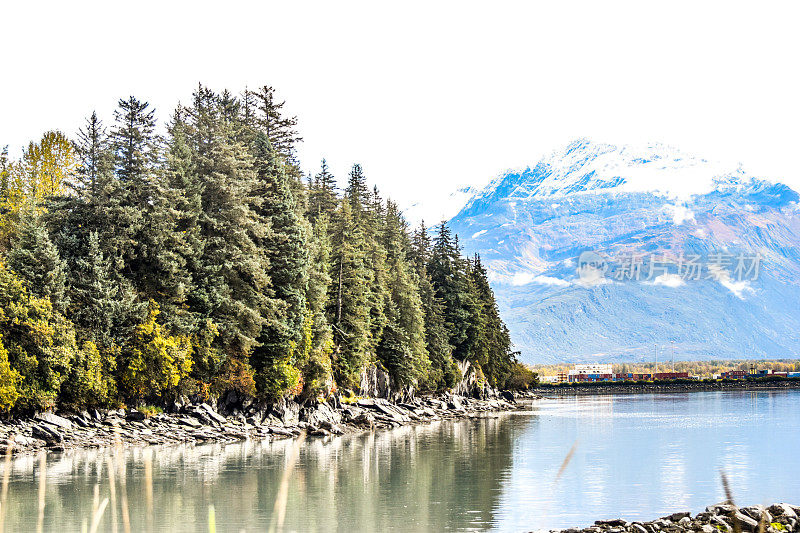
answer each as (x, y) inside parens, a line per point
(638, 456)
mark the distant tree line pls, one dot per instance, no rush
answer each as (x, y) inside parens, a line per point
(698, 368)
(136, 267)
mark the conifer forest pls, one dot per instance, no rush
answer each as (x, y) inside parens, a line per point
(141, 262)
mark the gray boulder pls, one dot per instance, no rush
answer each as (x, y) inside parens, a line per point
(782, 509)
(215, 416)
(287, 411)
(323, 413)
(55, 420)
(47, 434)
(508, 396)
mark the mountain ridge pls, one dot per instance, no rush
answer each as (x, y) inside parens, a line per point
(531, 225)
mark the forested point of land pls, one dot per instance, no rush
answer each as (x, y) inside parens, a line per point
(137, 267)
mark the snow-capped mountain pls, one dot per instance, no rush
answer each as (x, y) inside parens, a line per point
(685, 250)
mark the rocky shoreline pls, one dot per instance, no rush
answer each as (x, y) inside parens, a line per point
(200, 422)
(628, 387)
(723, 517)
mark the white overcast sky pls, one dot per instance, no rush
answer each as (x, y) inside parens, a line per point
(428, 96)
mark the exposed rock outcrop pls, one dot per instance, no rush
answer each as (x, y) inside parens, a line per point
(201, 422)
(722, 517)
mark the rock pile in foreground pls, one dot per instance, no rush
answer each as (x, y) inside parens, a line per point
(202, 423)
(723, 517)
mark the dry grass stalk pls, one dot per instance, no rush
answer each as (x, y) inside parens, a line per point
(737, 527)
(566, 461)
(123, 490)
(96, 499)
(279, 511)
(112, 493)
(98, 515)
(212, 520)
(42, 490)
(148, 487)
(6, 478)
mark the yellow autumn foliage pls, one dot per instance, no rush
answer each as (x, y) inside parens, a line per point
(157, 361)
(45, 169)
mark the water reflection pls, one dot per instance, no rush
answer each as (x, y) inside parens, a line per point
(443, 476)
(644, 456)
(638, 456)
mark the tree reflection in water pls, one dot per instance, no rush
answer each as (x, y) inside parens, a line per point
(435, 477)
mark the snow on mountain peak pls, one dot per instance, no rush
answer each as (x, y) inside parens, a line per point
(584, 166)
(532, 226)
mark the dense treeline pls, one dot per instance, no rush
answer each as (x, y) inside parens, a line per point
(136, 267)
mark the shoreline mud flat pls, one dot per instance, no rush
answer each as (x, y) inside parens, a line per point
(201, 423)
(722, 517)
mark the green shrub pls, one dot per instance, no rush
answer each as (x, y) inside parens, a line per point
(235, 375)
(40, 342)
(9, 378)
(156, 362)
(522, 377)
(150, 410)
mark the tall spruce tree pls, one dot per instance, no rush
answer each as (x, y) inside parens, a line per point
(348, 306)
(35, 259)
(443, 371)
(231, 281)
(402, 347)
(499, 355)
(322, 197)
(279, 129)
(286, 248)
(451, 284)
(317, 369)
(133, 144)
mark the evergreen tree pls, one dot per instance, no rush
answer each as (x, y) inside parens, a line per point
(36, 260)
(105, 308)
(145, 208)
(180, 242)
(317, 369)
(286, 249)
(230, 277)
(499, 356)
(402, 347)
(373, 224)
(451, 284)
(357, 192)
(348, 307)
(443, 372)
(94, 158)
(280, 130)
(323, 199)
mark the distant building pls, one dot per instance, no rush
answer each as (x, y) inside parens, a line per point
(734, 374)
(672, 375)
(594, 372)
(603, 372)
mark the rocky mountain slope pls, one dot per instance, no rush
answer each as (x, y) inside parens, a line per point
(606, 253)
